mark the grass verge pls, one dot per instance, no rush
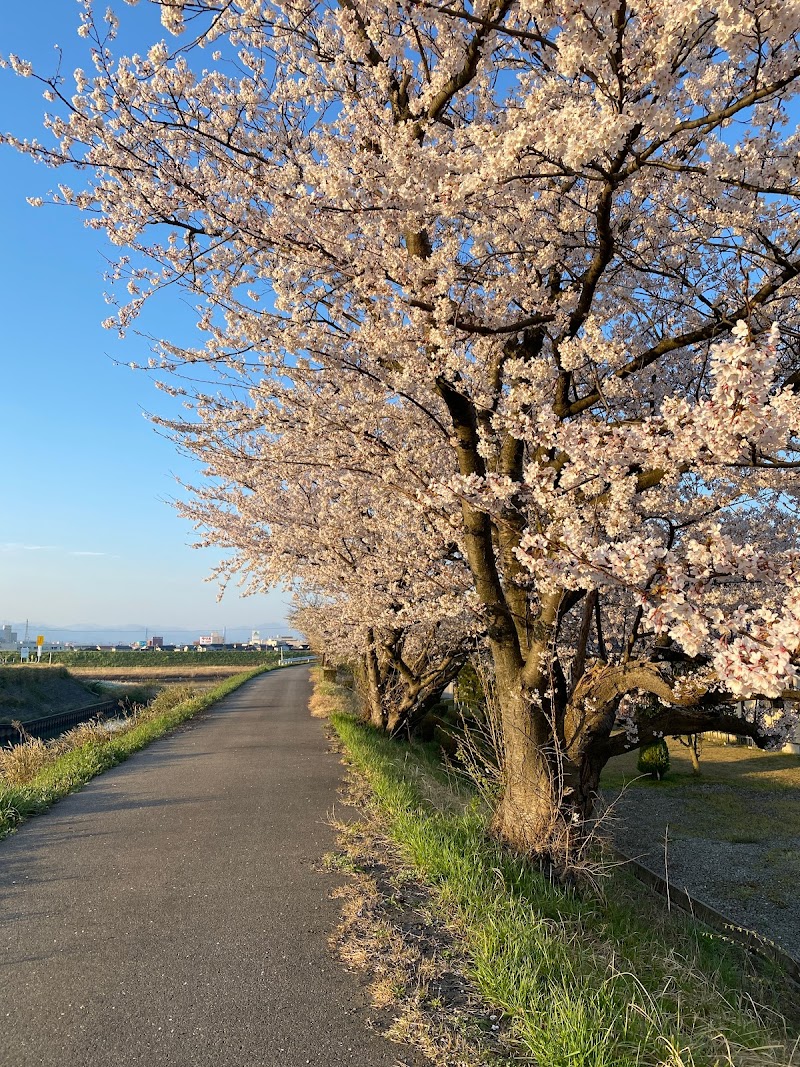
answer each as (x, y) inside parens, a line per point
(329, 697)
(35, 775)
(607, 980)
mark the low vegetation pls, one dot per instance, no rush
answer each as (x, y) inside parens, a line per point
(150, 658)
(31, 692)
(329, 697)
(583, 977)
(35, 774)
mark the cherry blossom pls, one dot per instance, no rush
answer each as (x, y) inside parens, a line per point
(488, 300)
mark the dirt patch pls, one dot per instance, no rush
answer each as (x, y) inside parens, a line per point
(32, 692)
(158, 675)
(416, 970)
(730, 836)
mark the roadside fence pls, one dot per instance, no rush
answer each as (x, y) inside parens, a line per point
(51, 725)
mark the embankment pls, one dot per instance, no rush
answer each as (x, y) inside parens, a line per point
(32, 692)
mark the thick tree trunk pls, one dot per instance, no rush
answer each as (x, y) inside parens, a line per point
(528, 812)
(550, 786)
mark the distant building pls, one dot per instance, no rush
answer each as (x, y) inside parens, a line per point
(155, 642)
(214, 638)
(286, 643)
(9, 641)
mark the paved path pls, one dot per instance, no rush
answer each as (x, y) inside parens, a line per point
(171, 914)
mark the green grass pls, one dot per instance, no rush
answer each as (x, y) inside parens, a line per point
(128, 658)
(736, 766)
(583, 980)
(74, 768)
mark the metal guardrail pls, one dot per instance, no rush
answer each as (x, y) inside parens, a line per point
(50, 725)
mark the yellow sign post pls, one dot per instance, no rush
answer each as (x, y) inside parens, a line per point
(40, 640)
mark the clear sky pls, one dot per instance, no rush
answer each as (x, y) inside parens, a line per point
(87, 536)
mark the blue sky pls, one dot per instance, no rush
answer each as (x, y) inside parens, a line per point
(87, 537)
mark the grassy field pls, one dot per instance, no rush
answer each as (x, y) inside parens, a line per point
(757, 793)
(579, 979)
(241, 658)
(737, 764)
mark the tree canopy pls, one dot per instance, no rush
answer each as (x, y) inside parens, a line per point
(501, 298)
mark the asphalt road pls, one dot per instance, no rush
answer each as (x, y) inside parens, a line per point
(173, 911)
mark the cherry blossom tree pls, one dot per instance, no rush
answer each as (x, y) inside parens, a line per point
(559, 231)
(379, 582)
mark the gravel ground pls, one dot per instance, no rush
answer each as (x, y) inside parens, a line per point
(752, 882)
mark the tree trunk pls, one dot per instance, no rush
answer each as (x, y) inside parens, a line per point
(374, 690)
(406, 716)
(528, 812)
(550, 787)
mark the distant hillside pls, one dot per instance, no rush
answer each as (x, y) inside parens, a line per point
(33, 692)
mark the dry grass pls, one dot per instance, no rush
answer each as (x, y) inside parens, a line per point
(329, 697)
(161, 674)
(21, 763)
(82, 734)
(415, 967)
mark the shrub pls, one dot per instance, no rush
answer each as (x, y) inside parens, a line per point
(654, 759)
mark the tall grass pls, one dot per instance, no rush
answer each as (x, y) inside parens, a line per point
(35, 774)
(582, 980)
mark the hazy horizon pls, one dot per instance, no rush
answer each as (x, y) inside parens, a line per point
(130, 632)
